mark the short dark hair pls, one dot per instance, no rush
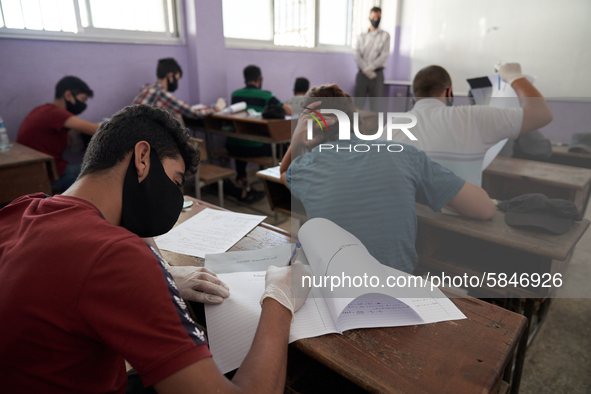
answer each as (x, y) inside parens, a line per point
(118, 136)
(332, 90)
(431, 81)
(74, 85)
(251, 73)
(301, 85)
(375, 9)
(167, 65)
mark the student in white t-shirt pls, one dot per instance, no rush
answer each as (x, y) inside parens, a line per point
(458, 137)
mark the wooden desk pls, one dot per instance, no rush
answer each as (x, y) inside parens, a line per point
(278, 195)
(507, 177)
(561, 155)
(462, 356)
(24, 170)
(459, 246)
(268, 131)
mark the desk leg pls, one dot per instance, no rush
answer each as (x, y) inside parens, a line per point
(274, 153)
(528, 313)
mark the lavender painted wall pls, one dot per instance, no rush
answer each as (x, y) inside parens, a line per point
(31, 68)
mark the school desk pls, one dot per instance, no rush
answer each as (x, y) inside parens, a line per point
(246, 127)
(561, 155)
(461, 356)
(479, 248)
(457, 245)
(24, 170)
(507, 177)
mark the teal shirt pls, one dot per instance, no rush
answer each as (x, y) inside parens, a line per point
(372, 195)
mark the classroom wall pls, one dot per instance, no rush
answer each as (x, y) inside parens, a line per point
(30, 69)
(115, 72)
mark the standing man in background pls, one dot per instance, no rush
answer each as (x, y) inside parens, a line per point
(371, 54)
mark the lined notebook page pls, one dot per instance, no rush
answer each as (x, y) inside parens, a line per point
(231, 326)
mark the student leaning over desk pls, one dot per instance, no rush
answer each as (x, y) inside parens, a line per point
(82, 292)
(372, 194)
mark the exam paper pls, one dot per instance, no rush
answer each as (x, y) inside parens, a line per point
(272, 172)
(232, 324)
(210, 231)
(247, 261)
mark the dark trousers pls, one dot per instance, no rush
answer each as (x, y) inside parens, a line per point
(372, 87)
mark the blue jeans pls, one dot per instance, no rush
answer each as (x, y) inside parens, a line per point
(66, 179)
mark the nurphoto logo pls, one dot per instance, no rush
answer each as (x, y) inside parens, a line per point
(392, 119)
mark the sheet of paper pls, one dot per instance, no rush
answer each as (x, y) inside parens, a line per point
(271, 171)
(492, 152)
(247, 261)
(197, 106)
(210, 231)
(232, 325)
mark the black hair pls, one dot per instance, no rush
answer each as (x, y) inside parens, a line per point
(375, 9)
(74, 85)
(118, 136)
(251, 73)
(431, 81)
(301, 85)
(167, 65)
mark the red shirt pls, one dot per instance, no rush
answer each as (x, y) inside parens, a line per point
(43, 129)
(79, 296)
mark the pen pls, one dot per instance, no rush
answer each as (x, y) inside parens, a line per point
(499, 81)
(294, 253)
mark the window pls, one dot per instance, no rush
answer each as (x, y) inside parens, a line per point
(153, 21)
(304, 24)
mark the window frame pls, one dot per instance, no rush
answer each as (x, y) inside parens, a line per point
(241, 43)
(95, 34)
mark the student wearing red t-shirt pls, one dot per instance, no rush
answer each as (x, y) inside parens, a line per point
(46, 127)
(82, 292)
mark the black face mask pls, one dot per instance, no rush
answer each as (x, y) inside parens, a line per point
(172, 86)
(153, 206)
(375, 24)
(449, 99)
(76, 108)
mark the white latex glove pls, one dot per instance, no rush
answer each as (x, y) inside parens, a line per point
(369, 72)
(219, 105)
(199, 284)
(509, 72)
(284, 284)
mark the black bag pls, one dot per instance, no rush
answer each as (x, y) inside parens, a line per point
(273, 111)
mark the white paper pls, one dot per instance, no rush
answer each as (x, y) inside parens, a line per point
(232, 324)
(197, 106)
(272, 172)
(210, 231)
(241, 106)
(248, 261)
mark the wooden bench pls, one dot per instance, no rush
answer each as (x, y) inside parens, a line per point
(508, 177)
(207, 174)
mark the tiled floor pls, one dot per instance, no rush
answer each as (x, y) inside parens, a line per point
(559, 359)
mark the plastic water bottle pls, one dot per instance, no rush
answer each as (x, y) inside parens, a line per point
(4, 141)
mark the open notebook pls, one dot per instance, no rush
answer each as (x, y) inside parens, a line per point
(330, 250)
